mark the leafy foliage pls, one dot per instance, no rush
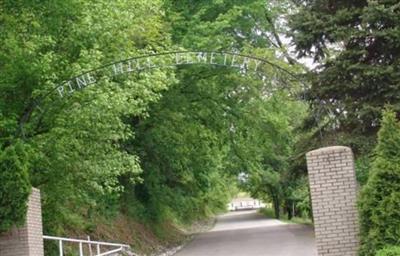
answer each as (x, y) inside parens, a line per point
(268, 150)
(15, 187)
(261, 126)
(380, 198)
(389, 251)
(76, 155)
(163, 145)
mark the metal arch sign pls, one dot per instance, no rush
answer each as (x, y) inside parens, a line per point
(161, 60)
(243, 63)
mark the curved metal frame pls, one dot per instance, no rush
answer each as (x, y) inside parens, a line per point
(35, 104)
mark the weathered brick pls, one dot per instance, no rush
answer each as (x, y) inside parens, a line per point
(27, 240)
(333, 194)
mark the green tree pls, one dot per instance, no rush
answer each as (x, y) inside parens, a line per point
(357, 44)
(76, 154)
(254, 129)
(266, 148)
(380, 198)
(163, 145)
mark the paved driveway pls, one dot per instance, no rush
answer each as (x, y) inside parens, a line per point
(248, 233)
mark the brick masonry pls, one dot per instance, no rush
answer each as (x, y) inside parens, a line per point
(333, 190)
(27, 240)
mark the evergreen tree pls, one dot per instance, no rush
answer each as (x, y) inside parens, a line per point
(380, 198)
(358, 45)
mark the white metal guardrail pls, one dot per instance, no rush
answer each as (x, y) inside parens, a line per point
(99, 246)
(245, 204)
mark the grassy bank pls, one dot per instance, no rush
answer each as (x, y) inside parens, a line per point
(269, 212)
(144, 239)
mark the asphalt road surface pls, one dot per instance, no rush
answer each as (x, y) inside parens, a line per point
(247, 233)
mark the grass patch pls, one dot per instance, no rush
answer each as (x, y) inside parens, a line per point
(269, 212)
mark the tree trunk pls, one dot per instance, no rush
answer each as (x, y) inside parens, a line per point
(289, 210)
(276, 207)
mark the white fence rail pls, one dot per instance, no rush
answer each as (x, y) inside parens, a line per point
(107, 248)
(245, 204)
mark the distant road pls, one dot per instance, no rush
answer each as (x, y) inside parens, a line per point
(247, 233)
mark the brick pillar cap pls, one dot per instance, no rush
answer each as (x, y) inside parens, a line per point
(327, 150)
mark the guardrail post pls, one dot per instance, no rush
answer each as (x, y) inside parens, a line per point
(90, 247)
(60, 246)
(80, 249)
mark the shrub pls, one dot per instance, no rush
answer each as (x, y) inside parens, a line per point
(380, 197)
(389, 251)
(14, 187)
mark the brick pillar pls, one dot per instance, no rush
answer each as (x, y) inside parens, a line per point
(333, 190)
(27, 240)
